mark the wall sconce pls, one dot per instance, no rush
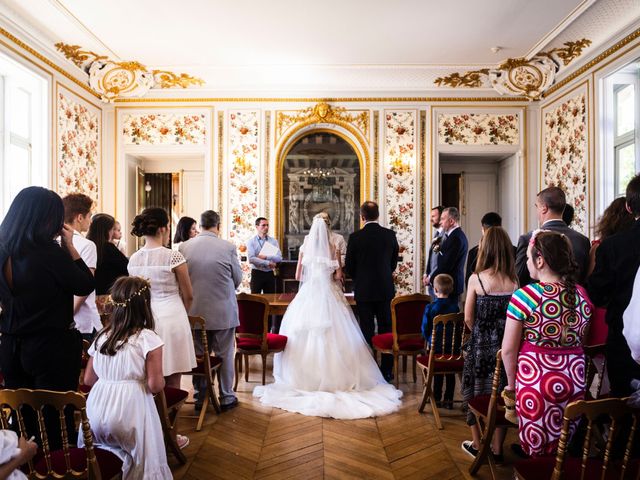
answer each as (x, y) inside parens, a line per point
(147, 187)
(399, 167)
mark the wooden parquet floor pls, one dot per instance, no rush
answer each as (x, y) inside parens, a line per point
(254, 442)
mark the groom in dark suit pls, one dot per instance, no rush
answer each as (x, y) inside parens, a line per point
(372, 256)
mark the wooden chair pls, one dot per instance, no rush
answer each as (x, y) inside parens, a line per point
(489, 413)
(610, 463)
(593, 354)
(168, 402)
(448, 360)
(405, 338)
(69, 462)
(252, 335)
(206, 368)
(84, 360)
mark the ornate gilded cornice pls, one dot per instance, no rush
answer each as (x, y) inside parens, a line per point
(117, 80)
(519, 76)
(319, 113)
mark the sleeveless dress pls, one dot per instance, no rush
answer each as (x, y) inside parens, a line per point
(169, 314)
(485, 341)
(327, 369)
(122, 412)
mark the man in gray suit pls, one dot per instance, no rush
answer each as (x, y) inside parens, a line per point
(550, 204)
(215, 274)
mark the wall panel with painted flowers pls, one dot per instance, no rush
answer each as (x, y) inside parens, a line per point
(565, 154)
(78, 145)
(243, 174)
(399, 190)
(478, 129)
(164, 129)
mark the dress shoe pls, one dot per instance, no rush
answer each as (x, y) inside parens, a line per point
(229, 406)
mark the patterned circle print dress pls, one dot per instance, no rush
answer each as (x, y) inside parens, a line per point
(551, 363)
(485, 341)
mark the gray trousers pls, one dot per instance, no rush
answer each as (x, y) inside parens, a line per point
(223, 344)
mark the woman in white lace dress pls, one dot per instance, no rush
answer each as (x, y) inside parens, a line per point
(171, 292)
(326, 369)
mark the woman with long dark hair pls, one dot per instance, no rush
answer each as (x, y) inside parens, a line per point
(187, 228)
(171, 292)
(542, 346)
(111, 263)
(40, 348)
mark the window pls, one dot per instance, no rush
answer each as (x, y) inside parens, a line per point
(24, 114)
(624, 144)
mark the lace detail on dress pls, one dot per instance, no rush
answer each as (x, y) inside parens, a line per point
(176, 259)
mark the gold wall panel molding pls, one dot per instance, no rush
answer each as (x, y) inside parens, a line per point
(322, 112)
(520, 76)
(321, 99)
(113, 80)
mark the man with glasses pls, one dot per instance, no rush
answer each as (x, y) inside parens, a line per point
(263, 279)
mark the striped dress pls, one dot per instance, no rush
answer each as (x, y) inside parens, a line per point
(551, 364)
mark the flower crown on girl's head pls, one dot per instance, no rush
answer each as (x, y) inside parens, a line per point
(125, 303)
(535, 233)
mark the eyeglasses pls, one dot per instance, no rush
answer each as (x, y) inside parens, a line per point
(263, 225)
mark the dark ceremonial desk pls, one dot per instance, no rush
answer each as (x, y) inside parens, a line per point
(278, 302)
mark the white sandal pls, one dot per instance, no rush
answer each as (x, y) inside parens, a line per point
(182, 441)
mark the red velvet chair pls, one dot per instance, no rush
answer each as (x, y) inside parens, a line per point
(450, 359)
(609, 464)
(168, 402)
(252, 335)
(70, 461)
(405, 338)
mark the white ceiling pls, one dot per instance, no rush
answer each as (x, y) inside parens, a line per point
(298, 44)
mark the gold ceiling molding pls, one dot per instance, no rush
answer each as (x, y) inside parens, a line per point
(322, 112)
(519, 76)
(117, 80)
(320, 99)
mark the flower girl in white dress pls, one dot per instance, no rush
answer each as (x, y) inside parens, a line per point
(125, 370)
(326, 369)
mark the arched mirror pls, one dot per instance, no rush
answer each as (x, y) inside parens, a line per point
(321, 172)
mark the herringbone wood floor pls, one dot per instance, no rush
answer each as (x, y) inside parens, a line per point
(252, 441)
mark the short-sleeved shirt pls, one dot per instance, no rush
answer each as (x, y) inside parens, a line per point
(549, 317)
(87, 317)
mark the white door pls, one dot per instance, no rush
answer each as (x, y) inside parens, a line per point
(193, 194)
(479, 196)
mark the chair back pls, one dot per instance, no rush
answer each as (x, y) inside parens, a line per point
(595, 353)
(449, 342)
(17, 402)
(623, 425)
(253, 312)
(198, 328)
(406, 317)
(492, 411)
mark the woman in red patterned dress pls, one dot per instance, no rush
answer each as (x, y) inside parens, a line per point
(542, 345)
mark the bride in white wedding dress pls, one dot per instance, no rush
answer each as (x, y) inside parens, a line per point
(326, 369)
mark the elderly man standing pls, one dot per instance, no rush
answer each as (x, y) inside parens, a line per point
(215, 274)
(263, 279)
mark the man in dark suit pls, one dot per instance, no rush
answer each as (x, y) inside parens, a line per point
(550, 204)
(432, 257)
(611, 284)
(453, 251)
(372, 256)
(488, 220)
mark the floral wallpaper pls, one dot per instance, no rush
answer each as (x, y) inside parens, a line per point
(564, 161)
(400, 191)
(164, 129)
(78, 146)
(478, 129)
(243, 166)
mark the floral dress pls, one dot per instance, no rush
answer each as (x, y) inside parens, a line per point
(551, 363)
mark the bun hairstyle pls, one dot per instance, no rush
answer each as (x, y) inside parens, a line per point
(149, 222)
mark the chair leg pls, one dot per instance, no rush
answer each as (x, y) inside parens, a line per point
(212, 394)
(246, 367)
(238, 365)
(404, 364)
(414, 364)
(434, 409)
(484, 450)
(425, 393)
(264, 369)
(396, 369)
(203, 411)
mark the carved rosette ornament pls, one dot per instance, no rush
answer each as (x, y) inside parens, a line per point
(519, 76)
(323, 112)
(113, 80)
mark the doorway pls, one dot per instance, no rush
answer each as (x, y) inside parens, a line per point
(478, 184)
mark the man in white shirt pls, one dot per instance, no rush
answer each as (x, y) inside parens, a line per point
(77, 214)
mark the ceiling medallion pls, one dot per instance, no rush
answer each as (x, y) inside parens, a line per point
(519, 76)
(116, 80)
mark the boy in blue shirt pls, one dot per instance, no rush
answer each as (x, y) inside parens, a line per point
(443, 286)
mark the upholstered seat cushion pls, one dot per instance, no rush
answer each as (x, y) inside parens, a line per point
(84, 389)
(110, 464)
(274, 342)
(442, 363)
(174, 395)
(480, 404)
(384, 341)
(215, 362)
(541, 468)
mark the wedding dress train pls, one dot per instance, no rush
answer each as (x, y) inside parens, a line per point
(327, 368)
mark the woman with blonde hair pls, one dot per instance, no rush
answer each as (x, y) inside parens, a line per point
(488, 294)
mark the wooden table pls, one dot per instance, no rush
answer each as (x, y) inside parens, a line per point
(278, 302)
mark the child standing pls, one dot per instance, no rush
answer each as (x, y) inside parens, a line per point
(125, 370)
(443, 286)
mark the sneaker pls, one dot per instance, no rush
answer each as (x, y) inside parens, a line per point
(182, 441)
(467, 447)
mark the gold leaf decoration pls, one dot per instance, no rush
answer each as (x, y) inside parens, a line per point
(322, 112)
(472, 79)
(78, 56)
(170, 80)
